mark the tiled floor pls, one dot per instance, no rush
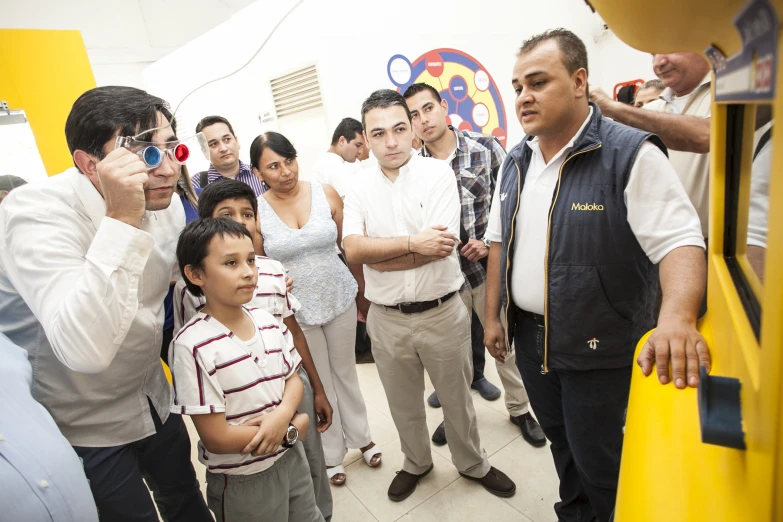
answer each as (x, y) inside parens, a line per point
(443, 495)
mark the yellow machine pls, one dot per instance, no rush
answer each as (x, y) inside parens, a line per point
(715, 454)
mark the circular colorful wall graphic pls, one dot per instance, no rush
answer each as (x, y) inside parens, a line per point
(473, 98)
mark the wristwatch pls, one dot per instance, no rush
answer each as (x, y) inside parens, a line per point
(486, 241)
(290, 437)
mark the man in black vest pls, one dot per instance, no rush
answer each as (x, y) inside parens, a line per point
(585, 209)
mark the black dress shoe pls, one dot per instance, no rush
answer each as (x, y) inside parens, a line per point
(439, 437)
(531, 431)
(404, 484)
(496, 482)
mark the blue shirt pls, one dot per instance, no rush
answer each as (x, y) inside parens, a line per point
(244, 175)
(42, 477)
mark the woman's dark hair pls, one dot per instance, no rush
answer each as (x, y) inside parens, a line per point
(185, 186)
(221, 190)
(98, 114)
(273, 140)
(193, 244)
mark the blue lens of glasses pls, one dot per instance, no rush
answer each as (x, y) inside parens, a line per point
(152, 156)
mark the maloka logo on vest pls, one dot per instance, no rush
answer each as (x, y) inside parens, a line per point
(586, 206)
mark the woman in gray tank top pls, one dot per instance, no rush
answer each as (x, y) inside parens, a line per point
(301, 222)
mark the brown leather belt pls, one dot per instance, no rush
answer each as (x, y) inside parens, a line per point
(417, 308)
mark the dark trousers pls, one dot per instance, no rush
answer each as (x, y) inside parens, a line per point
(168, 335)
(117, 474)
(362, 339)
(477, 346)
(582, 414)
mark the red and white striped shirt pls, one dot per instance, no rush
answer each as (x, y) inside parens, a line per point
(214, 371)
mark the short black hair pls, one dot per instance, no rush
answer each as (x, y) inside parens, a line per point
(416, 88)
(221, 190)
(348, 129)
(273, 140)
(571, 47)
(193, 244)
(101, 113)
(211, 120)
(382, 99)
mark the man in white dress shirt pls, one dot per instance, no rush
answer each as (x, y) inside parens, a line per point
(337, 165)
(86, 258)
(401, 221)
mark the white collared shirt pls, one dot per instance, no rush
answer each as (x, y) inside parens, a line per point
(331, 169)
(424, 195)
(693, 169)
(659, 212)
(83, 294)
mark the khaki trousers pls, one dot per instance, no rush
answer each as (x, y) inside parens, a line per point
(515, 396)
(438, 340)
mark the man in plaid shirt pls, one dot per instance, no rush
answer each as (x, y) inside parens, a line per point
(475, 159)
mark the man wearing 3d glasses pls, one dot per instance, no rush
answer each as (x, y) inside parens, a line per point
(85, 261)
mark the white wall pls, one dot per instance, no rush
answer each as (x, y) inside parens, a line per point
(351, 41)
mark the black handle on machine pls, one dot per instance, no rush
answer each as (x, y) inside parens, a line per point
(720, 410)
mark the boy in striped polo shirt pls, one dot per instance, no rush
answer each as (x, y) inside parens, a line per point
(235, 375)
(235, 200)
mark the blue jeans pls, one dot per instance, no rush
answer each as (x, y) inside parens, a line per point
(117, 476)
(582, 414)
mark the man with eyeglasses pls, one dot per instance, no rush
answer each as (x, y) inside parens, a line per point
(86, 258)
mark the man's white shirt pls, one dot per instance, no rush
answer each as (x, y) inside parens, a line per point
(758, 214)
(693, 169)
(83, 294)
(660, 214)
(424, 195)
(331, 169)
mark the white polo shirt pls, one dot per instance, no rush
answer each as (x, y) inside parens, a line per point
(424, 195)
(331, 169)
(214, 371)
(693, 169)
(659, 212)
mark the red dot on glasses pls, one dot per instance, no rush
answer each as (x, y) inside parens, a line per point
(181, 153)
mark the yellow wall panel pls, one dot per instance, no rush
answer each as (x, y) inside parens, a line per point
(43, 72)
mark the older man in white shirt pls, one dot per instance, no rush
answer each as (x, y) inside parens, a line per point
(86, 258)
(401, 220)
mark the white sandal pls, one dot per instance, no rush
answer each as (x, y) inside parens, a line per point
(337, 470)
(370, 454)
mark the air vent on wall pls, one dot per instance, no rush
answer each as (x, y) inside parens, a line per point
(296, 92)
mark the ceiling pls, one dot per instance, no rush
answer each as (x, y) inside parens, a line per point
(127, 31)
